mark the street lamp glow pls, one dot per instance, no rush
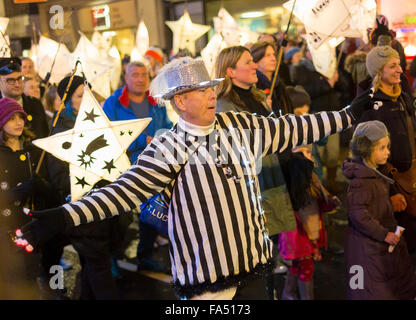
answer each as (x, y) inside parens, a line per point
(252, 14)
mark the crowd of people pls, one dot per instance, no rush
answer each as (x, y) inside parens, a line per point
(249, 171)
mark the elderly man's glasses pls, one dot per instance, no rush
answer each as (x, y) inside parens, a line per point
(12, 81)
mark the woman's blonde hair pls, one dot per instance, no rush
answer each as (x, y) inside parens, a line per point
(228, 58)
(377, 79)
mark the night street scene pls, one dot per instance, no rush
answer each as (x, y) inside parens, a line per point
(208, 158)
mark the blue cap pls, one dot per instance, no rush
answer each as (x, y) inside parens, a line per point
(289, 54)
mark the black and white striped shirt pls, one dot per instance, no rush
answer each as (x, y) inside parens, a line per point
(216, 224)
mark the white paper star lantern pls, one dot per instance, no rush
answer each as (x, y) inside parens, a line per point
(323, 58)
(116, 71)
(210, 53)
(5, 46)
(142, 38)
(185, 33)
(97, 69)
(101, 43)
(324, 20)
(231, 31)
(228, 28)
(48, 49)
(4, 39)
(95, 148)
(3, 24)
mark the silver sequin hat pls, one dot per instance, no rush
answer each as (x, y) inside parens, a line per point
(179, 76)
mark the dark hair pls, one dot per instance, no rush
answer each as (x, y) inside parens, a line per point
(298, 96)
(258, 50)
(361, 147)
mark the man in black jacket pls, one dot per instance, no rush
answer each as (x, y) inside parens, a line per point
(11, 85)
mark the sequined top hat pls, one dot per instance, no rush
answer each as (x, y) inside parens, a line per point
(179, 76)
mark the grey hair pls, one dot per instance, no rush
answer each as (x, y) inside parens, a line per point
(137, 64)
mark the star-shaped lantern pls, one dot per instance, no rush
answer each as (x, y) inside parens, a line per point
(49, 51)
(97, 69)
(185, 33)
(210, 53)
(4, 40)
(95, 148)
(324, 20)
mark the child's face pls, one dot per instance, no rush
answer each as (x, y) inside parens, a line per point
(381, 152)
(300, 111)
(31, 88)
(14, 126)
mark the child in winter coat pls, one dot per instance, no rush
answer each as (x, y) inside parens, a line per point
(373, 272)
(302, 246)
(19, 187)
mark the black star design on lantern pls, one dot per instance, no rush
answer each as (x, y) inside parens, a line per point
(130, 132)
(109, 165)
(81, 135)
(82, 182)
(90, 116)
(121, 133)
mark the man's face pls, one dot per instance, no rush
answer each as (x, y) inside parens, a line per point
(198, 106)
(137, 80)
(28, 67)
(11, 85)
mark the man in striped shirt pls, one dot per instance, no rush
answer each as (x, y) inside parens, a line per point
(207, 165)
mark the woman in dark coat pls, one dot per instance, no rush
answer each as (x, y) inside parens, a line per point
(390, 104)
(371, 224)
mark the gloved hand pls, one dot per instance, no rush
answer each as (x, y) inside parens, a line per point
(22, 191)
(361, 103)
(48, 223)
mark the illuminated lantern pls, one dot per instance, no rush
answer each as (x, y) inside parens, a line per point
(142, 38)
(210, 53)
(96, 69)
(116, 71)
(185, 33)
(324, 19)
(48, 51)
(95, 148)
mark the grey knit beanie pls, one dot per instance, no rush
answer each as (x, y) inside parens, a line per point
(373, 130)
(378, 57)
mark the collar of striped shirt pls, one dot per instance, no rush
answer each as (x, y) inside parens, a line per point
(195, 130)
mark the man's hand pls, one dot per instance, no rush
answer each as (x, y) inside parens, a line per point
(46, 225)
(362, 103)
(399, 202)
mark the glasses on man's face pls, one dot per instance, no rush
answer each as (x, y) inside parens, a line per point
(12, 81)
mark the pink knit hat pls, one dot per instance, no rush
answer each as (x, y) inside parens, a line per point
(8, 107)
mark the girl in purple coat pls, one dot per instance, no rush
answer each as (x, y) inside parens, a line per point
(372, 272)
